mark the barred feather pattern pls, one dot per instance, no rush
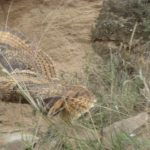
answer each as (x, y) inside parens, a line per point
(24, 54)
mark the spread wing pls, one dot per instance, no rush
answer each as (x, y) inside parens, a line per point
(17, 52)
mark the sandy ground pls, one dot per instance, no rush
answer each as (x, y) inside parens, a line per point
(61, 28)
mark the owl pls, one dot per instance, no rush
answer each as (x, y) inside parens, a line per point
(32, 71)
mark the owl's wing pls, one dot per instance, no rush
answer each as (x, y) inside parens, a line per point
(17, 52)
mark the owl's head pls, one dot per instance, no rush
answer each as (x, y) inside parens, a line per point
(71, 104)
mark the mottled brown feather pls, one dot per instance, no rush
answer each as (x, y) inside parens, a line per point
(34, 58)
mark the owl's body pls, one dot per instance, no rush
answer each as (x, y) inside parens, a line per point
(35, 72)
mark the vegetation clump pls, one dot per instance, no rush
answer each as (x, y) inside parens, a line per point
(118, 68)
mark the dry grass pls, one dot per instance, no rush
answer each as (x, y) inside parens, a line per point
(118, 92)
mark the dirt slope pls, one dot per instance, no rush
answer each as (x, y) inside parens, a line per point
(61, 28)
